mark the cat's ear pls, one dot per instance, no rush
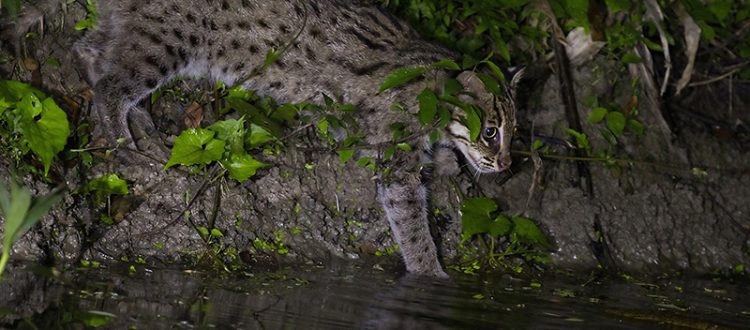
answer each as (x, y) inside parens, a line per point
(516, 74)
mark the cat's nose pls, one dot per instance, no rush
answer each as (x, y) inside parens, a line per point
(504, 162)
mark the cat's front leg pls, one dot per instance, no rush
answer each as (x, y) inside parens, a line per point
(404, 199)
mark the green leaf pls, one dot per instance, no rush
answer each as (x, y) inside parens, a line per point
(20, 213)
(404, 146)
(13, 91)
(490, 83)
(44, 127)
(195, 146)
(501, 226)
(106, 185)
(242, 166)
(496, 69)
(427, 106)
(401, 76)
(13, 7)
(389, 152)
(345, 155)
(216, 233)
(232, 132)
(537, 144)
(446, 64)
(582, 140)
(452, 87)
(528, 232)
(95, 319)
(473, 122)
(476, 216)
(616, 6)
(720, 9)
(203, 231)
(616, 122)
(630, 58)
(636, 126)
(597, 115)
(258, 136)
(14, 212)
(578, 10)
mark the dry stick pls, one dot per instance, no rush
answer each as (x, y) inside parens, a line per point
(567, 92)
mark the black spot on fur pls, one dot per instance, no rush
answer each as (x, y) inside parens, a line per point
(220, 52)
(298, 10)
(228, 26)
(262, 23)
(182, 53)
(154, 38)
(275, 84)
(239, 67)
(243, 25)
(315, 33)
(368, 69)
(175, 9)
(235, 44)
(214, 27)
(413, 239)
(225, 5)
(310, 53)
(194, 40)
(190, 17)
(253, 49)
(315, 7)
(284, 28)
(369, 43)
(178, 34)
(151, 83)
(153, 60)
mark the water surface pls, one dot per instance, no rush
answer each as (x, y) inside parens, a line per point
(354, 298)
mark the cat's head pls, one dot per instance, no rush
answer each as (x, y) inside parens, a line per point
(490, 151)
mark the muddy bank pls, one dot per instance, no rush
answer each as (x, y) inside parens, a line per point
(649, 214)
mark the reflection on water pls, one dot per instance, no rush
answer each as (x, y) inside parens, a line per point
(358, 299)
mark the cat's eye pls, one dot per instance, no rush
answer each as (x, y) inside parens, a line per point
(490, 133)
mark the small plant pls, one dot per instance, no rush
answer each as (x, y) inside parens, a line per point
(521, 237)
(222, 142)
(33, 121)
(102, 189)
(90, 21)
(21, 212)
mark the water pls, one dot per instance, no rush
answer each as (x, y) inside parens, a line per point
(351, 298)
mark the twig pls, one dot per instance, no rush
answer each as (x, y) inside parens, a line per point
(715, 79)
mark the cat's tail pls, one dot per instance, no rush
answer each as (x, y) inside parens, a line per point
(13, 25)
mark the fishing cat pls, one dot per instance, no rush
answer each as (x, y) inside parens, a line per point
(339, 48)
